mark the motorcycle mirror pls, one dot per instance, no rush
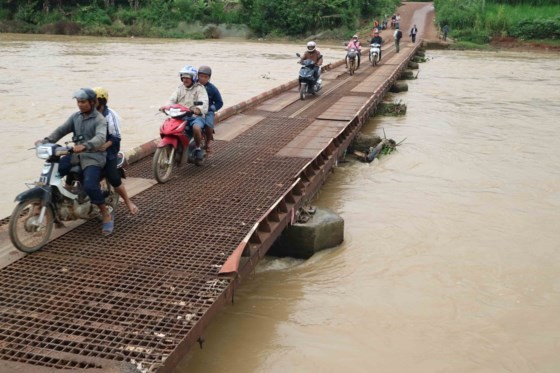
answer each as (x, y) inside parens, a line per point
(297, 54)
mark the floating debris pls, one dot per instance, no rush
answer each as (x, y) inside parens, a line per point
(384, 147)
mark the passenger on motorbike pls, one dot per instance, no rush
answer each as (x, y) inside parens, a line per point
(90, 132)
(354, 44)
(313, 54)
(377, 39)
(112, 146)
(215, 102)
(187, 94)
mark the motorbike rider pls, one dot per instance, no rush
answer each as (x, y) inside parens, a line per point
(354, 44)
(187, 94)
(112, 146)
(90, 132)
(215, 102)
(377, 39)
(313, 54)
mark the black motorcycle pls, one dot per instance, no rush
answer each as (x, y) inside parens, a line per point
(307, 82)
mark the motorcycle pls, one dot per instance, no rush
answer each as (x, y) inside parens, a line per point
(177, 145)
(54, 199)
(351, 58)
(307, 83)
(374, 53)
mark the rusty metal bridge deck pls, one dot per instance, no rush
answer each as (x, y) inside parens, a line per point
(142, 297)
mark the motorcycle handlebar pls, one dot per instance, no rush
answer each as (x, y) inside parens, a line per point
(66, 151)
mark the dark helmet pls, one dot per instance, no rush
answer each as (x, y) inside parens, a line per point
(85, 94)
(207, 70)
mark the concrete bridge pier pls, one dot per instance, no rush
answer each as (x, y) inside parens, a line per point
(324, 229)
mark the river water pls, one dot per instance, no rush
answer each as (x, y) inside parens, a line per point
(451, 254)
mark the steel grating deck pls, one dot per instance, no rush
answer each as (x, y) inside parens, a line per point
(134, 297)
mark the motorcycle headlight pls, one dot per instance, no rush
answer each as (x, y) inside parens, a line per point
(43, 151)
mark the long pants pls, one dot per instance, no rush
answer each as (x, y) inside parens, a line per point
(397, 45)
(413, 38)
(92, 175)
(112, 172)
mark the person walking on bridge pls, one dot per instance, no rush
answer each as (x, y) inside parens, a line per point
(398, 36)
(215, 102)
(445, 32)
(413, 32)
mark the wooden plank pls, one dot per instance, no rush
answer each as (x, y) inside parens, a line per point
(313, 139)
(279, 102)
(344, 109)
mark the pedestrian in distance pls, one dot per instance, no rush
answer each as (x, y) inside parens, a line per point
(112, 146)
(413, 32)
(398, 36)
(445, 32)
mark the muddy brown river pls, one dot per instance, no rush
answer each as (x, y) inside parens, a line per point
(451, 257)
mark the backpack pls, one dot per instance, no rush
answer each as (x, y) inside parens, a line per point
(399, 34)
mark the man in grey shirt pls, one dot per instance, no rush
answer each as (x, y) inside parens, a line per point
(90, 132)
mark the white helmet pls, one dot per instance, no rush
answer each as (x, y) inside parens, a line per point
(355, 37)
(189, 70)
(311, 46)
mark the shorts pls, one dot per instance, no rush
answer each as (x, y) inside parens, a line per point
(209, 119)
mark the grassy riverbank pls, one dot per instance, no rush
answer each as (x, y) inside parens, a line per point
(480, 22)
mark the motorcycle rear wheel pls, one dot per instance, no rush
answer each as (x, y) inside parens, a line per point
(163, 164)
(302, 89)
(26, 236)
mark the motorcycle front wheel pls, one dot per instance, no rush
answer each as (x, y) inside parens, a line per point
(352, 66)
(26, 233)
(302, 89)
(163, 163)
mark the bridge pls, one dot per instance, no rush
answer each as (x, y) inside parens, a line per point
(140, 299)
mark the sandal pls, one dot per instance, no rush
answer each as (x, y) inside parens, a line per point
(108, 227)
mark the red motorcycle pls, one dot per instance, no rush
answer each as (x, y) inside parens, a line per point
(177, 144)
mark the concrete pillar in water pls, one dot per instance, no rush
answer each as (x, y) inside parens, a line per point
(407, 74)
(399, 86)
(325, 229)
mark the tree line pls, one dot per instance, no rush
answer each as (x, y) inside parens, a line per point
(171, 18)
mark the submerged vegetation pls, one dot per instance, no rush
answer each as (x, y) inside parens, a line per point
(478, 21)
(186, 18)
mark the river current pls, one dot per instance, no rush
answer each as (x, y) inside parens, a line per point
(452, 244)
